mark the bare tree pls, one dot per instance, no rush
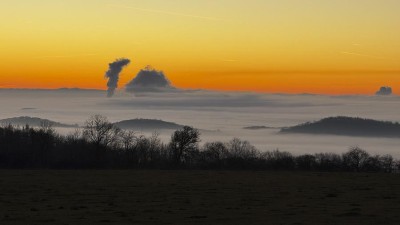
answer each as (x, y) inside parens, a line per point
(155, 146)
(128, 139)
(47, 127)
(355, 158)
(184, 142)
(241, 149)
(100, 131)
(279, 160)
(215, 151)
(305, 162)
(387, 163)
(328, 161)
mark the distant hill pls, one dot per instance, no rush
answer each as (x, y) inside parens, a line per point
(259, 128)
(147, 124)
(347, 126)
(76, 92)
(72, 90)
(33, 122)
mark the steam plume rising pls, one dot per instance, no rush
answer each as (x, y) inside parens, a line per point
(149, 80)
(384, 91)
(112, 74)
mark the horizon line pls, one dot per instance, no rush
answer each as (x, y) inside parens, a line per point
(210, 90)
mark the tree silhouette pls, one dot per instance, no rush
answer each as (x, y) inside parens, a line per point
(101, 145)
(184, 142)
(355, 158)
(100, 131)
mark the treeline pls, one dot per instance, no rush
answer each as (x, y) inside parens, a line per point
(101, 145)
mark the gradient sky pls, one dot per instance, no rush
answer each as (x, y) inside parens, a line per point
(290, 46)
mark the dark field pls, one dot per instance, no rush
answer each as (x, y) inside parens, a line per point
(197, 197)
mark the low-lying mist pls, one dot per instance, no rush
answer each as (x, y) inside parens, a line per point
(219, 116)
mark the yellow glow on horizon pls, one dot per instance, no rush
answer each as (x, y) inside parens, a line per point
(288, 46)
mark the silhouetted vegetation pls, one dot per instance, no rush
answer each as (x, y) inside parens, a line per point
(348, 126)
(102, 145)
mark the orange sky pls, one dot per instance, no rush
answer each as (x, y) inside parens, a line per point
(286, 46)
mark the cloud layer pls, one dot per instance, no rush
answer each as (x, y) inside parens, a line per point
(223, 112)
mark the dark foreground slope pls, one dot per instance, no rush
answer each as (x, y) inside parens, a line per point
(193, 197)
(348, 126)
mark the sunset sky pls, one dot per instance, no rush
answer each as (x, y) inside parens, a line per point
(287, 46)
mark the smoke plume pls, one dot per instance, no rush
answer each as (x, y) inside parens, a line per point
(112, 74)
(149, 80)
(384, 91)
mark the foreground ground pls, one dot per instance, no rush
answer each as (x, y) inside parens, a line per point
(197, 197)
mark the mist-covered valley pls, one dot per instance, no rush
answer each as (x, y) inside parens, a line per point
(220, 116)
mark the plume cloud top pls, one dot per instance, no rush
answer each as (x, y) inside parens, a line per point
(384, 91)
(149, 80)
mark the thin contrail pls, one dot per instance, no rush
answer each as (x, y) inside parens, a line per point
(363, 55)
(167, 12)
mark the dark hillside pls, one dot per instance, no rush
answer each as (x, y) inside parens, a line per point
(147, 124)
(33, 122)
(348, 126)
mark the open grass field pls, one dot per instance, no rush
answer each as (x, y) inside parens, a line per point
(197, 197)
